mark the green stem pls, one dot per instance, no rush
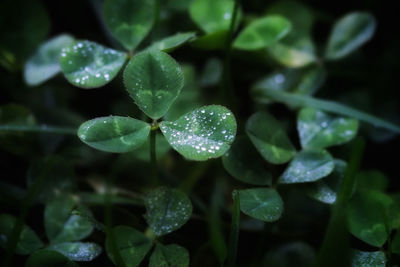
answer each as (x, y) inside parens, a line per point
(153, 156)
(330, 106)
(39, 129)
(234, 234)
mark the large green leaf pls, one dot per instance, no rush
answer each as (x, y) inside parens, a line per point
(170, 43)
(28, 240)
(49, 258)
(368, 259)
(61, 225)
(131, 244)
(114, 133)
(308, 166)
(77, 251)
(90, 65)
(244, 163)
(319, 130)
(44, 64)
(269, 138)
(262, 32)
(169, 256)
(261, 203)
(204, 133)
(349, 33)
(154, 80)
(130, 20)
(167, 210)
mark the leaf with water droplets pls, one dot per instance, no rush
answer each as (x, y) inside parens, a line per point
(49, 258)
(170, 43)
(319, 130)
(90, 65)
(308, 166)
(154, 80)
(169, 256)
(244, 163)
(44, 64)
(167, 210)
(269, 138)
(28, 240)
(261, 203)
(131, 244)
(130, 20)
(262, 33)
(349, 33)
(368, 259)
(114, 133)
(77, 251)
(204, 133)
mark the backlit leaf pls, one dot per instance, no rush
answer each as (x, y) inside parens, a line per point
(170, 43)
(77, 251)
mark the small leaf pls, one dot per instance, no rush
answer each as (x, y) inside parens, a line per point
(261, 203)
(308, 166)
(44, 64)
(90, 65)
(368, 259)
(319, 130)
(61, 225)
(130, 20)
(45, 257)
(269, 138)
(349, 33)
(131, 244)
(77, 251)
(114, 133)
(28, 240)
(204, 133)
(170, 43)
(167, 210)
(154, 80)
(169, 256)
(262, 32)
(244, 163)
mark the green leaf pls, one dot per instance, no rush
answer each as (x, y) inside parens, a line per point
(213, 16)
(49, 258)
(372, 179)
(349, 33)
(395, 246)
(130, 20)
(204, 133)
(154, 80)
(89, 65)
(28, 240)
(61, 225)
(44, 64)
(169, 256)
(261, 203)
(131, 244)
(368, 259)
(114, 133)
(142, 153)
(319, 130)
(167, 210)
(262, 33)
(269, 138)
(244, 163)
(308, 166)
(170, 43)
(211, 41)
(77, 251)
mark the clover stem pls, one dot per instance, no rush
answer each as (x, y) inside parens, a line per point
(153, 156)
(234, 232)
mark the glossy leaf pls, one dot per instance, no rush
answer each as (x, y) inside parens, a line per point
(89, 65)
(319, 130)
(262, 32)
(61, 225)
(44, 64)
(77, 251)
(114, 133)
(368, 259)
(308, 166)
(261, 203)
(204, 133)
(269, 138)
(244, 163)
(154, 80)
(28, 240)
(169, 256)
(349, 33)
(167, 210)
(131, 244)
(129, 20)
(46, 258)
(170, 43)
